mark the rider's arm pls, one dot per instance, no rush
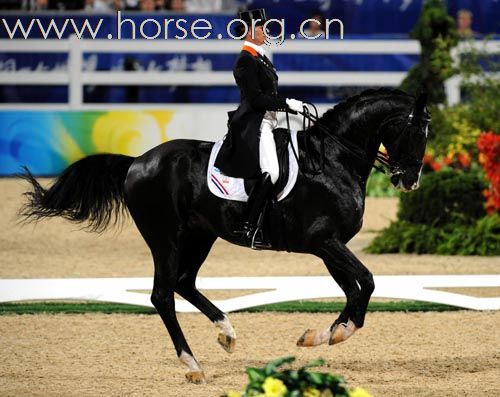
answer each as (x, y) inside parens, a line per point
(245, 74)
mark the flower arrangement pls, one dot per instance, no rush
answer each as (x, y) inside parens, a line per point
(489, 157)
(270, 381)
(455, 160)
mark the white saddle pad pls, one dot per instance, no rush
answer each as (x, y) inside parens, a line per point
(231, 188)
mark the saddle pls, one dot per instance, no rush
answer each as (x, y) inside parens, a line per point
(231, 188)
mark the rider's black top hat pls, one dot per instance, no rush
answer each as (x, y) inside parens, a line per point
(258, 15)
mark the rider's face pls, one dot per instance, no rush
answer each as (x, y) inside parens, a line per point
(258, 37)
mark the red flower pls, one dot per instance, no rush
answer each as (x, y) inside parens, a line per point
(464, 159)
(427, 159)
(489, 148)
(436, 166)
(447, 160)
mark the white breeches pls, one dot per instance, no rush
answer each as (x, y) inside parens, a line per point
(267, 148)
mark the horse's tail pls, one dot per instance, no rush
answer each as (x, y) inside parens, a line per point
(90, 190)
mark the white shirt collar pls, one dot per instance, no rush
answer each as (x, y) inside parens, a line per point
(256, 47)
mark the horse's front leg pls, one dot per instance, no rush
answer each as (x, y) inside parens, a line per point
(357, 283)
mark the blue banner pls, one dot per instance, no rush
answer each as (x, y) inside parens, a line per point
(359, 17)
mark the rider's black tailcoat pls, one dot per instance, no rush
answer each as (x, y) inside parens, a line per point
(258, 83)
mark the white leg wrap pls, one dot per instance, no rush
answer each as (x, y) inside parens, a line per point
(226, 327)
(188, 360)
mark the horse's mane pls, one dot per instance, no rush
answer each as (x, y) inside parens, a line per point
(333, 115)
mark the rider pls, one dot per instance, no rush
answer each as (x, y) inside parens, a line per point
(249, 150)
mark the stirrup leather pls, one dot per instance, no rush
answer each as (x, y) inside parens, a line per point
(257, 241)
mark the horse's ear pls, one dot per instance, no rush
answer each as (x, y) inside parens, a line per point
(420, 103)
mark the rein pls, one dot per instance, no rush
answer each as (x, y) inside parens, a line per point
(309, 118)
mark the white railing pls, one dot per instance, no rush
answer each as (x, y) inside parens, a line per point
(452, 85)
(76, 78)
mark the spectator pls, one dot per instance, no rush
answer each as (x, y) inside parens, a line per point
(464, 24)
(97, 5)
(203, 5)
(147, 5)
(131, 4)
(118, 5)
(316, 27)
(160, 5)
(35, 5)
(175, 5)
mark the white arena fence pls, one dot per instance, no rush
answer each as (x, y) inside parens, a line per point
(76, 78)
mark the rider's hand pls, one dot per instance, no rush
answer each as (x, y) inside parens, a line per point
(293, 104)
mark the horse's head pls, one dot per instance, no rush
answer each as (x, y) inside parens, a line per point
(405, 139)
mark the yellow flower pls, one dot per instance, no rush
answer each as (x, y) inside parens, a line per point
(274, 387)
(233, 393)
(311, 392)
(359, 392)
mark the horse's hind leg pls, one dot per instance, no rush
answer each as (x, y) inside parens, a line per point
(166, 260)
(192, 257)
(162, 231)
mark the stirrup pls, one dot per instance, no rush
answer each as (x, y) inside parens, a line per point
(258, 244)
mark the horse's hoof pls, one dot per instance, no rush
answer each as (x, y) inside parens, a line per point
(337, 335)
(195, 377)
(227, 342)
(342, 332)
(308, 339)
(313, 337)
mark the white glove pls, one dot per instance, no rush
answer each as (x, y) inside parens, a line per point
(295, 105)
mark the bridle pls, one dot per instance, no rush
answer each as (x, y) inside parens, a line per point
(398, 167)
(393, 167)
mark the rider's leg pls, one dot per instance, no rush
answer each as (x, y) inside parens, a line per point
(270, 172)
(267, 149)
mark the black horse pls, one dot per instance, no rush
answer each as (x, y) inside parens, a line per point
(167, 195)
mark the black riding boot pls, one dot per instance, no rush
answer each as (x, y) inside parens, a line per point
(256, 203)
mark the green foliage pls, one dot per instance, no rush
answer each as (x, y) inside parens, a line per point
(405, 237)
(456, 128)
(452, 130)
(273, 381)
(483, 238)
(480, 238)
(481, 89)
(437, 34)
(445, 216)
(379, 185)
(441, 131)
(445, 197)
